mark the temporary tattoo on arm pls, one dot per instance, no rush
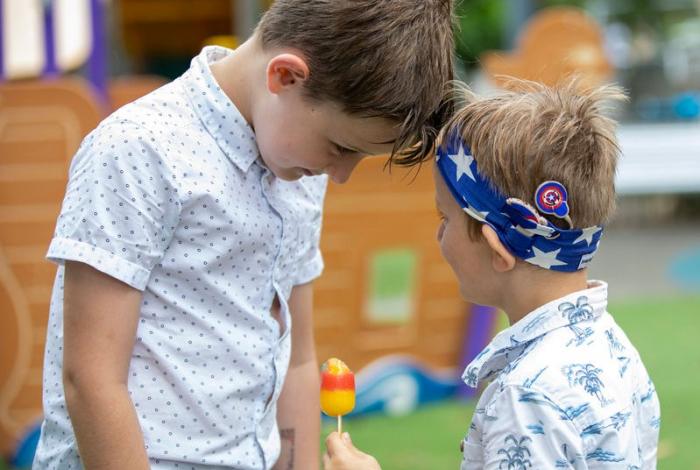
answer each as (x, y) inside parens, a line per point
(287, 437)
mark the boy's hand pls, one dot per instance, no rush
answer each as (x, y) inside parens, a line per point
(342, 455)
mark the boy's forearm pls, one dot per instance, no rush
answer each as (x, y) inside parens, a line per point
(299, 418)
(106, 426)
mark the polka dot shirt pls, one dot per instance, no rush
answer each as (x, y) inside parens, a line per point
(169, 196)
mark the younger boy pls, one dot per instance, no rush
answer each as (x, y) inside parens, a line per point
(524, 183)
(189, 234)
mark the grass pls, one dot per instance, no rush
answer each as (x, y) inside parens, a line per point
(666, 334)
(425, 439)
(665, 331)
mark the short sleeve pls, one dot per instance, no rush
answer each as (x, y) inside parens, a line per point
(310, 264)
(523, 433)
(121, 205)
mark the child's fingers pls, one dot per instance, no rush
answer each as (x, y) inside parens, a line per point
(335, 445)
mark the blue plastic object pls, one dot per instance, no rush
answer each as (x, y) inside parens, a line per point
(685, 269)
(27, 448)
(687, 105)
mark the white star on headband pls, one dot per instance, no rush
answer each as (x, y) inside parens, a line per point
(545, 259)
(587, 235)
(463, 162)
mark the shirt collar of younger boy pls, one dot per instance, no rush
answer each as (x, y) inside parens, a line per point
(509, 345)
(217, 112)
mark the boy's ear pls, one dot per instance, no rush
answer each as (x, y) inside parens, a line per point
(286, 70)
(501, 259)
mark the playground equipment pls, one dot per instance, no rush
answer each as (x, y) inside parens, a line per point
(556, 42)
(387, 302)
(41, 126)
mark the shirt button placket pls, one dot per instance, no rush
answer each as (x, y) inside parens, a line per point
(277, 277)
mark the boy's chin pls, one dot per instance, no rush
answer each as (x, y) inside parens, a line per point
(286, 174)
(470, 297)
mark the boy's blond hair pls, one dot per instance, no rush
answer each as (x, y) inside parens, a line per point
(375, 58)
(535, 133)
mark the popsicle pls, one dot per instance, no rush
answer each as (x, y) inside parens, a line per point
(337, 389)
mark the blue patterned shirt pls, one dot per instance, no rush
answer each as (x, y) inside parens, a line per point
(567, 390)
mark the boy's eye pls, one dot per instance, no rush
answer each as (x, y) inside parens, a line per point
(344, 150)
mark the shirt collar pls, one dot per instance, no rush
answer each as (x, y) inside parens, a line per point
(505, 348)
(219, 115)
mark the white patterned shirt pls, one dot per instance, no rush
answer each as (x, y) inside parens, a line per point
(169, 196)
(568, 390)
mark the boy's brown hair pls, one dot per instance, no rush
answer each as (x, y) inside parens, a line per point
(375, 58)
(535, 133)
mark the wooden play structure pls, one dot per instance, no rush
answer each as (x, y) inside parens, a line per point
(41, 126)
(147, 26)
(385, 289)
(555, 43)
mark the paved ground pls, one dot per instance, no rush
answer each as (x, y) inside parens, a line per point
(650, 259)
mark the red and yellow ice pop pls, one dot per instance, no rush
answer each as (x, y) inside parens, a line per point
(337, 389)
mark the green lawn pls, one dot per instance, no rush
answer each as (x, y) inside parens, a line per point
(665, 331)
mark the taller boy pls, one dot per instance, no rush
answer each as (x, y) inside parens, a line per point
(188, 237)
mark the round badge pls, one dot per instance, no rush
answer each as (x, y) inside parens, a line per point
(550, 198)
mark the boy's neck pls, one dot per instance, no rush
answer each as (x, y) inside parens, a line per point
(235, 75)
(530, 288)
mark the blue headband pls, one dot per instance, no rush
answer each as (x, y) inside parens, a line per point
(520, 228)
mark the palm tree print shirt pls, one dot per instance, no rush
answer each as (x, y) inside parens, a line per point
(567, 390)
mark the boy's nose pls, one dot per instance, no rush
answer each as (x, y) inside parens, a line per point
(341, 171)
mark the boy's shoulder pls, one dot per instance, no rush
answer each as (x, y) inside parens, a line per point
(589, 399)
(166, 106)
(585, 371)
(149, 122)
(165, 120)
